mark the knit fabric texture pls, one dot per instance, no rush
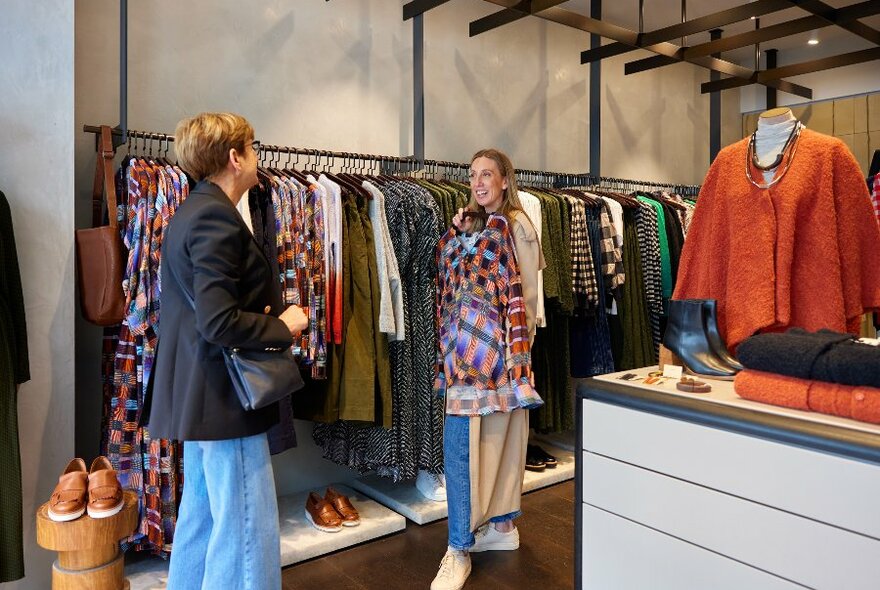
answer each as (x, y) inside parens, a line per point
(484, 364)
(823, 356)
(805, 252)
(846, 401)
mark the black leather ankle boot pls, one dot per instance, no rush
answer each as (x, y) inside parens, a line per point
(710, 318)
(686, 337)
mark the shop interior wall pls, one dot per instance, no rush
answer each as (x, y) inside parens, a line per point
(522, 87)
(36, 174)
(338, 75)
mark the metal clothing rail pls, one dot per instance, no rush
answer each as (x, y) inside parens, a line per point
(272, 154)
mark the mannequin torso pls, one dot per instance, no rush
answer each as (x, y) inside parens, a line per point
(774, 129)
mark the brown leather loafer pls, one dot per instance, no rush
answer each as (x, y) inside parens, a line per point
(68, 500)
(322, 514)
(343, 506)
(105, 493)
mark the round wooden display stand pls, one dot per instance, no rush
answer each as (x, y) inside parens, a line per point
(88, 548)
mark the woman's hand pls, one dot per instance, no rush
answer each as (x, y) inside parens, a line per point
(461, 223)
(295, 319)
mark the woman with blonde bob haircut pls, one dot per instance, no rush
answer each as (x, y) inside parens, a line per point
(488, 267)
(218, 292)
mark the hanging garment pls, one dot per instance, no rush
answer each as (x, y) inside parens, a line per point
(665, 259)
(583, 272)
(530, 261)
(813, 232)
(550, 357)
(390, 289)
(150, 193)
(875, 196)
(638, 349)
(334, 237)
(532, 206)
(414, 440)
(612, 253)
(649, 253)
(590, 337)
(14, 370)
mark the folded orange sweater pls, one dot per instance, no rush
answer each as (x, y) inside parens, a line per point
(846, 401)
(805, 252)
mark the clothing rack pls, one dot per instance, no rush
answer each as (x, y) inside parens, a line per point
(270, 155)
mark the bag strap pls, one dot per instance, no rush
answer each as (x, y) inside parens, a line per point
(104, 175)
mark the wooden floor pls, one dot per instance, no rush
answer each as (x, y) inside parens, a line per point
(410, 559)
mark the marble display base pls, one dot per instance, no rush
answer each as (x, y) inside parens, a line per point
(405, 499)
(299, 539)
(564, 471)
(402, 498)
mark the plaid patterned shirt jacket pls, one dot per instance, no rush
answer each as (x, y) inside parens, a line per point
(484, 363)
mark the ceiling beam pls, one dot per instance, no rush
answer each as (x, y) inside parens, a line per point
(826, 12)
(509, 15)
(629, 37)
(819, 65)
(808, 23)
(793, 27)
(417, 7)
(697, 25)
(807, 67)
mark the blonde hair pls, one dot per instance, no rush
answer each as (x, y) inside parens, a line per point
(510, 203)
(203, 142)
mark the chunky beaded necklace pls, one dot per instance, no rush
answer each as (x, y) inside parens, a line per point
(788, 150)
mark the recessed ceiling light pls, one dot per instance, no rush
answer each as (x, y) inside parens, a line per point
(813, 42)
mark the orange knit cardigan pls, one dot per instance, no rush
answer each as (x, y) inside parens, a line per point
(805, 252)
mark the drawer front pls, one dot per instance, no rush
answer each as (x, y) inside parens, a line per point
(834, 490)
(789, 546)
(622, 555)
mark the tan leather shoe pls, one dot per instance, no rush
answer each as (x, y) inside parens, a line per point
(343, 506)
(322, 514)
(105, 493)
(68, 500)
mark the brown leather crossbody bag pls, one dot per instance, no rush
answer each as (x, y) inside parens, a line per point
(100, 255)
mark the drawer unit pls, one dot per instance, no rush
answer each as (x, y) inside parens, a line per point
(619, 554)
(781, 543)
(790, 478)
(689, 493)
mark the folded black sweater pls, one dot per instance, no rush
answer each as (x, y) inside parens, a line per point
(820, 356)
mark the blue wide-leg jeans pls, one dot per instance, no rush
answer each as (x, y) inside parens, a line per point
(456, 458)
(227, 533)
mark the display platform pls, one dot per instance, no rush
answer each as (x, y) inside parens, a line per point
(405, 499)
(723, 394)
(299, 539)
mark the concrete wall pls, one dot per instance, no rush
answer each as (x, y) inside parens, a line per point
(36, 174)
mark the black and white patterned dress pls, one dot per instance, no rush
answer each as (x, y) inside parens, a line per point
(415, 440)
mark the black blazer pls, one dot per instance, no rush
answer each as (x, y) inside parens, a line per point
(209, 252)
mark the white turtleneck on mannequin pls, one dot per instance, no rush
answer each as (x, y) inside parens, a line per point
(770, 139)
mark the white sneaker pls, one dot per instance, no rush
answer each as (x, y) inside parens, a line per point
(488, 538)
(430, 486)
(454, 571)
